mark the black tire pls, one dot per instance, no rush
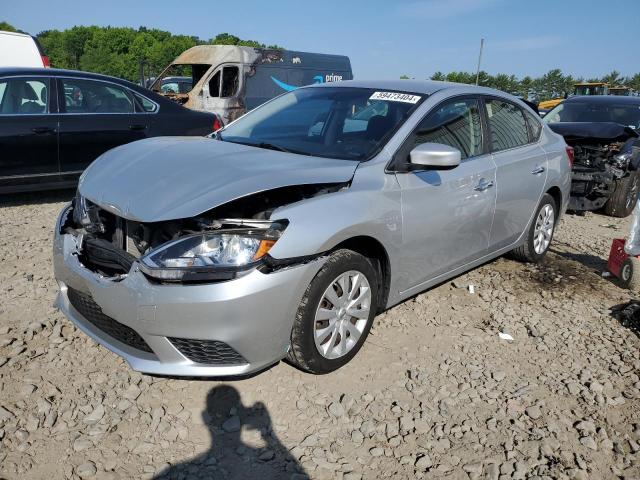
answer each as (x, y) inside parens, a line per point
(526, 252)
(303, 352)
(624, 196)
(630, 274)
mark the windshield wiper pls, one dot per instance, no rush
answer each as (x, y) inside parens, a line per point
(271, 146)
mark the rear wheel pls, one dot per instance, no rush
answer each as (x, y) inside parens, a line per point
(336, 313)
(540, 232)
(624, 197)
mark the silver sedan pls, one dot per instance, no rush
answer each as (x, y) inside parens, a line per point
(285, 233)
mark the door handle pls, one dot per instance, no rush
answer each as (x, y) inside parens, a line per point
(537, 170)
(41, 130)
(483, 185)
(137, 127)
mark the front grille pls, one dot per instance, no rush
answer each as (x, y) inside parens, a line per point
(211, 352)
(92, 312)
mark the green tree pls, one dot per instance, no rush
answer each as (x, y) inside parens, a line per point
(613, 78)
(404, 77)
(7, 27)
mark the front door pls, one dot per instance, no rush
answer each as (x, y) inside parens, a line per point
(521, 169)
(447, 214)
(96, 116)
(220, 93)
(28, 132)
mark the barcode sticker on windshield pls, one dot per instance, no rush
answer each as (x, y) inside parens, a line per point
(395, 97)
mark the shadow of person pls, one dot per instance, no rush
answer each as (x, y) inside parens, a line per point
(243, 444)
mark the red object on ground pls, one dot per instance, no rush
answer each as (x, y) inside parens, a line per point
(617, 256)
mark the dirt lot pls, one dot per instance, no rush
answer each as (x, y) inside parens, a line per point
(435, 393)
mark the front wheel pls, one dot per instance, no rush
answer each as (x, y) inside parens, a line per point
(540, 232)
(624, 196)
(335, 314)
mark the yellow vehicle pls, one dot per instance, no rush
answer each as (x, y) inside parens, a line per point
(622, 91)
(582, 88)
(591, 88)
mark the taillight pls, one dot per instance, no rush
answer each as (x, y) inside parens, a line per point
(45, 61)
(217, 125)
(570, 156)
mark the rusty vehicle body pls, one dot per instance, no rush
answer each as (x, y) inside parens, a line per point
(230, 80)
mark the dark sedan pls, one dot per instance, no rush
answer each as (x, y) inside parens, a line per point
(604, 131)
(54, 123)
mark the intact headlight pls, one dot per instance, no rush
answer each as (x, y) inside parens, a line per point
(209, 255)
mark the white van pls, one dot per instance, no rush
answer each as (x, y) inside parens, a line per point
(21, 50)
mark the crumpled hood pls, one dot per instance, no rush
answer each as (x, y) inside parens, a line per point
(610, 131)
(167, 178)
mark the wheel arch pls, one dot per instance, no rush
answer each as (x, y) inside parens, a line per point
(374, 250)
(556, 194)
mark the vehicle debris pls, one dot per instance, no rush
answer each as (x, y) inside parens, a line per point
(505, 336)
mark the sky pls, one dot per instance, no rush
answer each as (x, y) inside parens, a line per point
(386, 39)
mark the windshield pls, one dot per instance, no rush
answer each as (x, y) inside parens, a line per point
(595, 112)
(346, 123)
(180, 78)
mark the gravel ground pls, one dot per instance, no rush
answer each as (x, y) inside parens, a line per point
(434, 393)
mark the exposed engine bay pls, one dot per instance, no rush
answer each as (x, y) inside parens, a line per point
(604, 155)
(110, 245)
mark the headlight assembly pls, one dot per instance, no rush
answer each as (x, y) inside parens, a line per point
(209, 256)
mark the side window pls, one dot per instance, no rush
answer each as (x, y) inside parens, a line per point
(24, 96)
(90, 96)
(457, 124)
(230, 77)
(535, 127)
(146, 104)
(214, 85)
(507, 125)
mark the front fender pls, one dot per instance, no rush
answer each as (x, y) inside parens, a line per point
(369, 207)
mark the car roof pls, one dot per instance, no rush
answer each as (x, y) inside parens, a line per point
(52, 72)
(604, 99)
(424, 87)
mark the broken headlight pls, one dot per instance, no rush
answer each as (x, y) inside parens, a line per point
(85, 215)
(209, 255)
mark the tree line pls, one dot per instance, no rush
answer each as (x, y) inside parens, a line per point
(553, 84)
(117, 51)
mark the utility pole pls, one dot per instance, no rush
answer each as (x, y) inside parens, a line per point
(479, 60)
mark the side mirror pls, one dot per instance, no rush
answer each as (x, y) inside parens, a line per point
(435, 155)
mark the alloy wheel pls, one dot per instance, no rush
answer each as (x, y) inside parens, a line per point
(543, 230)
(342, 315)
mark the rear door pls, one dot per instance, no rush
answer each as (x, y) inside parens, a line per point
(96, 116)
(28, 132)
(521, 169)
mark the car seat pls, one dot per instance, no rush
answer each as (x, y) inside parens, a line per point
(31, 106)
(378, 127)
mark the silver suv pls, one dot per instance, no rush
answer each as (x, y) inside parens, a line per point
(286, 232)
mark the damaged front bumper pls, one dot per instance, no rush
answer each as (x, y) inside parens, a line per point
(225, 328)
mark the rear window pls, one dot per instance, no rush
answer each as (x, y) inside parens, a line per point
(89, 96)
(535, 127)
(507, 124)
